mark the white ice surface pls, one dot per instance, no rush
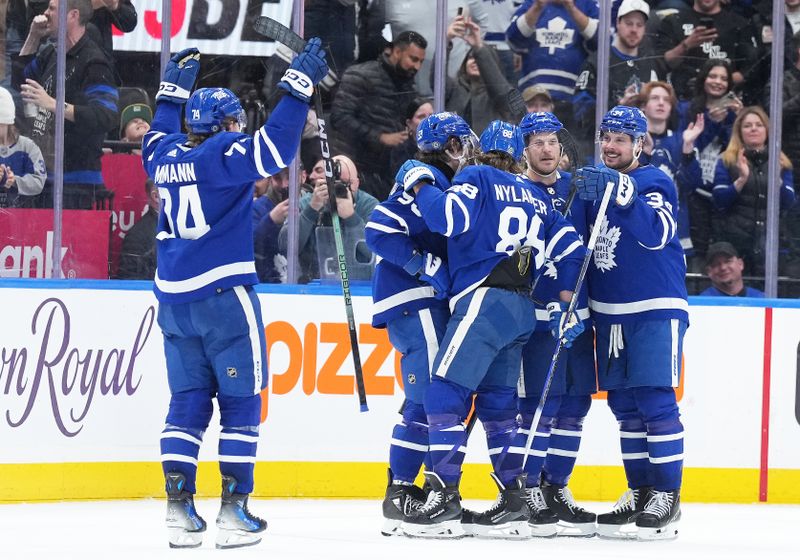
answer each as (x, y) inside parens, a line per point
(349, 530)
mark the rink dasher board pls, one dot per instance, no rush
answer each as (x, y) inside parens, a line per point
(83, 396)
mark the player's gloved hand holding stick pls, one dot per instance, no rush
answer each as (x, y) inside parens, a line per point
(591, 181)
(568, 331)
(306, 70)
(179, 76)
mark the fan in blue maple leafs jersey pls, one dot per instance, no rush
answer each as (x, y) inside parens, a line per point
(410, 287)
(558, 434)
(209, 315)
(499, 232)
(639, 307)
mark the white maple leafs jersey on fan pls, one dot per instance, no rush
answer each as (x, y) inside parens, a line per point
(547, 285)
(637, 271)
(204, 235)
(487, 214)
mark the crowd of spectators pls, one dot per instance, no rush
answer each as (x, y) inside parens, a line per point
(699, 69)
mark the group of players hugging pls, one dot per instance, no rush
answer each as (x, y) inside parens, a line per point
(481, 248)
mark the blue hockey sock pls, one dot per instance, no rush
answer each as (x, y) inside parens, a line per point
(237, 456)
(635, 459)
(179, 450)
(665, 446)
(505, 448)
(538, 451)
(565, 440)
(448, 446)
(409, 445)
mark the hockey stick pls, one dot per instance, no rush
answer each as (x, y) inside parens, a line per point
(276, 31)
(573, 302)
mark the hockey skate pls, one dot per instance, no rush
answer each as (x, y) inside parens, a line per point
(507, 518)
(237, 527)
(618, 523)
(440, 516)
(543, 521)
(573, 520)
(399, 500)
(184, 526)
(659, 520)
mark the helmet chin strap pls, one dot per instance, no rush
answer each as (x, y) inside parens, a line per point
(637, 151)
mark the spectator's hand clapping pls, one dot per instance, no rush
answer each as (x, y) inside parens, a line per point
(629, 95)
(693, 131)
(392, 139)
(280, 212)
(743, 167)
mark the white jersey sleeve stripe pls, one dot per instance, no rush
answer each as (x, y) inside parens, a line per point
(554, 240)
(453, 200)
(392, 215)
(576, 245)
(384, 228)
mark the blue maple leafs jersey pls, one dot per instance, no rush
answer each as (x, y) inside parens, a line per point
(205, 233)
(637, 271)
(553, 51)
(394, 231)
(547, 285)
(487, 214)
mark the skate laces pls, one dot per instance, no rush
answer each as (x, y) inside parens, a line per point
(565, 494)
(627, 502)
(435, 498)
(412, 504)
(535, 499)
(659, 504)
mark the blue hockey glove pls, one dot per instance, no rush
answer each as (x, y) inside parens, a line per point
(307, 70)
(431, 269)
(568, 332)
(179, 76)
(413, 172)
(591, 181)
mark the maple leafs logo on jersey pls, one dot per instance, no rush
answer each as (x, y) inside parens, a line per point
(555, 35)
(606, 246)
(550, 269)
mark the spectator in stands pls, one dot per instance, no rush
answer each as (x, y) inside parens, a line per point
(270, 210)
(740, 189)
(91, 101)
(119, 13)
(673, 151)
(724, 268)
(629, 66)
(354, 207)
(138, 258)
(479, 93)
(22, 171)
(498, 15)
(416, 110)
(715, 100)
(537, 99)
(134, 124)
(406, 15)
(366, 116)
(371, 21)
(553, 37)
(333, 21)
(690, 37)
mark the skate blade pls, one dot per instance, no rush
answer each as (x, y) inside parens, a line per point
(444, 530)
(576, 530)
(391, 528)
(513, 530)
(544, 530)
(628, 531)
(181, 538)
(666, 533)
(236, 538)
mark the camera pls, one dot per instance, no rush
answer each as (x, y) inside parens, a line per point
(340, 188)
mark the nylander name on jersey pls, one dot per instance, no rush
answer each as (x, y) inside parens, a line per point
(487, 215)
(638, 269)
(546, 285)
(204, 235)
(394, 231)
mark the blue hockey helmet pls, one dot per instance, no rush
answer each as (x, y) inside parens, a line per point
(625, 120)
(503, 137)
(435, 130)
(539, 123)
(208, 107)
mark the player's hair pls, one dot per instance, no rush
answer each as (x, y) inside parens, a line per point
(407, 38)
(647, 90)
(731, 153)
(84, 8)
(440, 159)
(501, 161)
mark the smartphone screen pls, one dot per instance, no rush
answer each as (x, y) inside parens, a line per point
(460, 11)
(707, 22)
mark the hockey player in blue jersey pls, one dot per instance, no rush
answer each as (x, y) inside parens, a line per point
(209, 315)
(638, 304)
(409, 290)
(558, 434)
(499, 231)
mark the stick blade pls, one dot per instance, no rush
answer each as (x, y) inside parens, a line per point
(278, 32)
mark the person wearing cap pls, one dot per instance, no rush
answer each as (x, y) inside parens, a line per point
(630, 65)
(134, 123)
(537, 99)
(724, 267)
(22, 170)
